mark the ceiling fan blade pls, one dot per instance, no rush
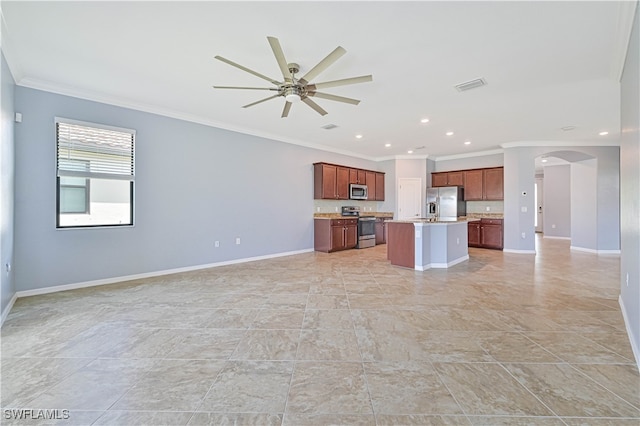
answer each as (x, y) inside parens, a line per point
(315, 106)
(257, 74)
(260, 101)
(279, 54)
(334, 98)
(247, 88)
(342, 82)
(285, 111)
(323, 65)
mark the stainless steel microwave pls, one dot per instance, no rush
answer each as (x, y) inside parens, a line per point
(358, 192)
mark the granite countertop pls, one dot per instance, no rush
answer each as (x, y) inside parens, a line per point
(427, 220)
(477, 216)
(339, 216)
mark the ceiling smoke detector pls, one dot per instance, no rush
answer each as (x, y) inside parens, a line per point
(471, 84)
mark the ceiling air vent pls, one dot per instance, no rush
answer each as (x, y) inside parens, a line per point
(471, 84)
(329, 126)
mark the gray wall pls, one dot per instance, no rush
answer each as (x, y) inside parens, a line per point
(630, 188)
(194, 185)
(584, 214)
(520, 177)
(7, 194)
(479, 161)
(556, 201)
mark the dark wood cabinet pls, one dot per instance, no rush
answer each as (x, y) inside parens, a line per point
(479, 184)
(473, 234)
(401, 244)
(357, 176)
(370, 181)
(473, 187)
(381, 230)
(335, 234)
(455, 178)
(379, 186)
(331, 182)
(447, 179)
(486, 233)
(493, 184)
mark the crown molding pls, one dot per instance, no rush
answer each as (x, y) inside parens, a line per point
(521, 144)
(152, 109)
(468, 155)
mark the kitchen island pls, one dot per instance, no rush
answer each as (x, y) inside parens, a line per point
(422, 244)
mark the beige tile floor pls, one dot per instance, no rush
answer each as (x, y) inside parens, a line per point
(343, 338)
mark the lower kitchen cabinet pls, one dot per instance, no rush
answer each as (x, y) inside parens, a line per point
(486, 233)
(335, 234)
(381, 231)
(473, 235)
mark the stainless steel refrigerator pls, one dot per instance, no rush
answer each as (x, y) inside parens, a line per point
(446, 202)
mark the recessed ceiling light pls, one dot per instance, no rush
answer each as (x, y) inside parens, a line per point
(467, 142)
(358, 136)
(568, 128)
(544, 160)
(409, 152)
(449, 133)
(603, 133)
(424, 120)
(387, 145)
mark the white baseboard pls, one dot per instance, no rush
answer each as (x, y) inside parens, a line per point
(519, 251)
(8, 309)
(115, 280)
(588, 250)
(551, 237)
(634, 344)
(441, 265)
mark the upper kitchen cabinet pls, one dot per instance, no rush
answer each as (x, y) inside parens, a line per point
(474, 186)
(379, 186)
(330, 182)
(358, 176)
(484, 184)
(455, 178)
(494, 184)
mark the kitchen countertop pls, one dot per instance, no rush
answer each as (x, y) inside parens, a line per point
(477, 216)
(339, 216)
(427, 220)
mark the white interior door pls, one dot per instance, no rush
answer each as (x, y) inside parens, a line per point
(539, 207)
(409, 198)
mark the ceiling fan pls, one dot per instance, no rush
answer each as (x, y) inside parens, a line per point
(295, 89)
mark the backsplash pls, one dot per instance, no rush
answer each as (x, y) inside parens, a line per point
(333, 206)
(481, 207)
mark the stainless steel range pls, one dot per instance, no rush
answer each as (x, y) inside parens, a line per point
(366, 226)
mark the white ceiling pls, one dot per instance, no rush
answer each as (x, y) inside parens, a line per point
(547, 65)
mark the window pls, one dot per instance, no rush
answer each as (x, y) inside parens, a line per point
(95, 175)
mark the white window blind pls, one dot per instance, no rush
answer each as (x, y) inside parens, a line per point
(107, 152)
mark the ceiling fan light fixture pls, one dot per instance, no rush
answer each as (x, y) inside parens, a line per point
(292, 94)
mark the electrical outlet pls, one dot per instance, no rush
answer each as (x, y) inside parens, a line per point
(238, 240)
(217, 243)
(318, 209)
(336, 208)
(524, 235)
(488, 208)
(458, 241)
(553, 226)
(627, 279)
(523, 209)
